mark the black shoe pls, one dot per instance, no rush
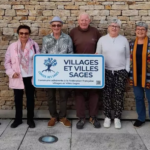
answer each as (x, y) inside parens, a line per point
(95, 122)
(31, 123)
(80, 123)
(15, 124)
(138, 123)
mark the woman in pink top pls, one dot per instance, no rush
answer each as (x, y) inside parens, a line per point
(19, 68)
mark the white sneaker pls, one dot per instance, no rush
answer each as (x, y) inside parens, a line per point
(117, 123)
(107, 122)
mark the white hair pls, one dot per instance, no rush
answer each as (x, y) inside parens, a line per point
(84, 13)
(117, 21)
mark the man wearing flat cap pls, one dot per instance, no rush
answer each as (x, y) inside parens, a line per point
(57, 43)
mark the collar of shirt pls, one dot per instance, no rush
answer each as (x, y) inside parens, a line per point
(112, 38)
(84, 30)
(62, 35)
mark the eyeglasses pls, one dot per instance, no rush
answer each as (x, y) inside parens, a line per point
(56, 25)
(116, 27)
(25, 33)
(143, 30)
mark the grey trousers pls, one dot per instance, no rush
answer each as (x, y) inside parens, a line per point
(63, 94)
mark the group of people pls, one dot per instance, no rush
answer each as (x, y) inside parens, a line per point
(122, 61)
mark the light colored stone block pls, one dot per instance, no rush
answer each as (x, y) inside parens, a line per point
(5, 6)
(18, 6)
(35, 12)
(93, 12)
(61, 13)
(138, 18)
(143, 12)
(42, 7)
(47, 12)
(7, 31)
(104, 12)
(130, 12)
(140, 6)
(122, 7)
(71, 7)
(146, 18)
(29, 7)
(14, 25)
(20, 18)
(10, 12)
(60, 6)
(22, 12)
(115, 12)
(32, 18)
(43, 31)
(80, 3)
(52, 6)
(107, 3)
(87, 7)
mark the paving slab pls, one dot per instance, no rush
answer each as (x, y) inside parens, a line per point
(4, 124)
(144, 133)
(31, 139)
(12, 138)
(90, 138)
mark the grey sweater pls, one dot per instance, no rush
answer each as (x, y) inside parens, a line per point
(115, 51)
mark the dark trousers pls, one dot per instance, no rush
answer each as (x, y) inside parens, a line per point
(93, 98)
(18, 93)
(114, 88)
(63, 96)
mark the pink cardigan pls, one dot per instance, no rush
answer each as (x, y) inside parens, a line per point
(12, 65)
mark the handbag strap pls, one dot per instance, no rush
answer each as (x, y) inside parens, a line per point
(34, 49)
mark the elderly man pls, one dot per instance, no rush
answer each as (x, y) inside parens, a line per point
(57, 43)
(84, 39)
(115, 49)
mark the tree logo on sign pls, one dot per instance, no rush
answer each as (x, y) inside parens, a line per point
(50, 62)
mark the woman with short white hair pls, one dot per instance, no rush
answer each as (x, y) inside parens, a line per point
(115, 49)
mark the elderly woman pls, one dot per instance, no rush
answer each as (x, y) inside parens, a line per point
(140, 70)
(19, 68)
(115, 49)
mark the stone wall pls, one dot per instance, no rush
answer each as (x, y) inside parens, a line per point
(38, 13)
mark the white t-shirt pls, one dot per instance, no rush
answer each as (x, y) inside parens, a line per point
(115, 51)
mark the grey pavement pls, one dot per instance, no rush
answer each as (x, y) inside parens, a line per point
(89, 138)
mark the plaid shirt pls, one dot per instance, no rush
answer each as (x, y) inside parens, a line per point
(61, 46)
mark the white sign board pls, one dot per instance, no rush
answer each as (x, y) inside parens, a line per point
(69, 71)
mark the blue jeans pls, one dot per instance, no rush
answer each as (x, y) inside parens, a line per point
(139, 98)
